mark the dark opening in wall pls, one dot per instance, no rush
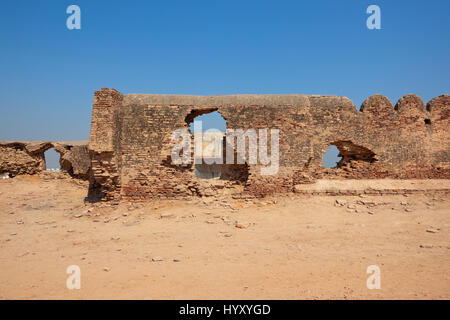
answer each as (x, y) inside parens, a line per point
(208, 171)
(427, 121)
(235, 172)
(52, 160)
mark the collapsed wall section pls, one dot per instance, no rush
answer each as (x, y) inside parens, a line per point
(23, 157)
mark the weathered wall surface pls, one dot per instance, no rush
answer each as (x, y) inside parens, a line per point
(130, 142)
(21, 157)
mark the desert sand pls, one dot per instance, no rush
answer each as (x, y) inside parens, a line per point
(285, 247)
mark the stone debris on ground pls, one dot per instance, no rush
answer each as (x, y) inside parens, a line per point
(157, 259)
(242, 225)
(340, 202)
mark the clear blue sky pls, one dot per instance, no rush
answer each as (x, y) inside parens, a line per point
(49, 73)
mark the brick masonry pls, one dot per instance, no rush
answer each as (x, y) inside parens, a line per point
(130, 142)
(22, 157)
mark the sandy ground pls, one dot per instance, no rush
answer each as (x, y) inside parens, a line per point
(295, 247)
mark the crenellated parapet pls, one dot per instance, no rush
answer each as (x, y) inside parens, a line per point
(409, 108)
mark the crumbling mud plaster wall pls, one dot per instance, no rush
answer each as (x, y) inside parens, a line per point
(130, 140)
(21, 157)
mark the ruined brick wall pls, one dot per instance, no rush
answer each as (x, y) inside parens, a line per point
(104, 175)
(22, 157)
(130, 142)
(15, 159)
(75, 159)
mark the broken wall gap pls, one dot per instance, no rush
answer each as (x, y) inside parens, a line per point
(211, 122)
(330, 158)
(351, 153)
(52, 160)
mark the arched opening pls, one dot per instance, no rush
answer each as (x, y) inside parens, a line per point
(211, 124)
(212, 127)
(331, 157)
(52, 160)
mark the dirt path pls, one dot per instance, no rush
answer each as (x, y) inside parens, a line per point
(296, 248)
